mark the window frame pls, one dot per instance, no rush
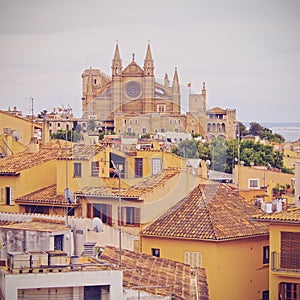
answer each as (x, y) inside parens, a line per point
(252, 180)
(266, 255)
(77, 170)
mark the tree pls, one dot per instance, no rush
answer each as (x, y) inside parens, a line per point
(218, 155)
(91, 125)
(188, 149)
(72, 136)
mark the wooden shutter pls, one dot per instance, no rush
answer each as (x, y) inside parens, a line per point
(109, 214)
(290, 250)
(137, 216)
(12, 196)
(89, 210)
(2, 195)
(123, 216)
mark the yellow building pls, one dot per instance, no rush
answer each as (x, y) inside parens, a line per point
(22, 129)
(28, 171)
(211, 228)
(284, 275)
(257, 177)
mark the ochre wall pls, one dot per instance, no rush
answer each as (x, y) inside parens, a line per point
(234, 268)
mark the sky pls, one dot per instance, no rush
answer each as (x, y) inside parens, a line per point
(247, 52)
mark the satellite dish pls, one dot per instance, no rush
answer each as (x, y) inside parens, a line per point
(97, 224)
(69, 196)
(16, 135)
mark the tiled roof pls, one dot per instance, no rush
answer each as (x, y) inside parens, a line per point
(209, 212)
(82, 152)
(289, 216)
(13, 164)
(96, 191)
(46, 195)
(147, 272)
(150, 183)
(55, 149)
(37, 225)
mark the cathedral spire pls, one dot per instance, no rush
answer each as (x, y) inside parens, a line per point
(117, 62)
(175, 78)
(148, 62)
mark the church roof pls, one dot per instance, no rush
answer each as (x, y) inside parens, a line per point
(209, 212)
(133, 70)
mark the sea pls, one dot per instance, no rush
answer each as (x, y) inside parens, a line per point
(289, 130)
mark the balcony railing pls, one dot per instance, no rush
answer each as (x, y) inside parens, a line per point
(286, 262)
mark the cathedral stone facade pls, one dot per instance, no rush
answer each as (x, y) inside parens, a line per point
(131, 101)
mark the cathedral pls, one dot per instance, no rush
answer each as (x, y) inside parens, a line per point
(131, 101)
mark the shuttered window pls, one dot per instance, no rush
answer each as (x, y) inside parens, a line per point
(104, 212)
(138, 167)
(7, 196)
(290, 250)
(95, 168)
(194, 259)
(131, 216)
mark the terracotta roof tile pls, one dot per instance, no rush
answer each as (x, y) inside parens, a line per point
(150, 183)
(209, 212)
(169, 277)
(46, 195)
(55, 149)
(289, 216)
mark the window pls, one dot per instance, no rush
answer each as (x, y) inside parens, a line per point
(104, 212)
(176, 129)
(161, 108)
(265, 295)
(290, 250)
(58, 124)
(77, 169)
(156, 165)
(7, 196)
(58, 242)
(95, 81)
(266, 254)
(144, 130)
(95, 168)
(288, 291)
(129, 130)
(155, 252)
(37, 209)
(138, 167)
(194, 259)
(253, 183)
(131, 216)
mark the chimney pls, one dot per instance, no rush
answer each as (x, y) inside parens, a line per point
(45, 132)
(33, 146)
(297, 184)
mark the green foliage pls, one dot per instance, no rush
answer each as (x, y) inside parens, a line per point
(265, 133)
(188, 149)
(91, 125)
(72, 136)
(146, 136)
(218, 149)
(287, 170)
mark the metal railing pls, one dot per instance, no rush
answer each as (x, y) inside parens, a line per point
(286, 262)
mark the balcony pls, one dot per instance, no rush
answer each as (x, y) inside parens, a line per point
(285, 262)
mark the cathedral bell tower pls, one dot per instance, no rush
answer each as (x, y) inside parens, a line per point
(176, 93)
(116, 105)
(148, 82)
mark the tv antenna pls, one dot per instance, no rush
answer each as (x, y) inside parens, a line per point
(97, 224)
